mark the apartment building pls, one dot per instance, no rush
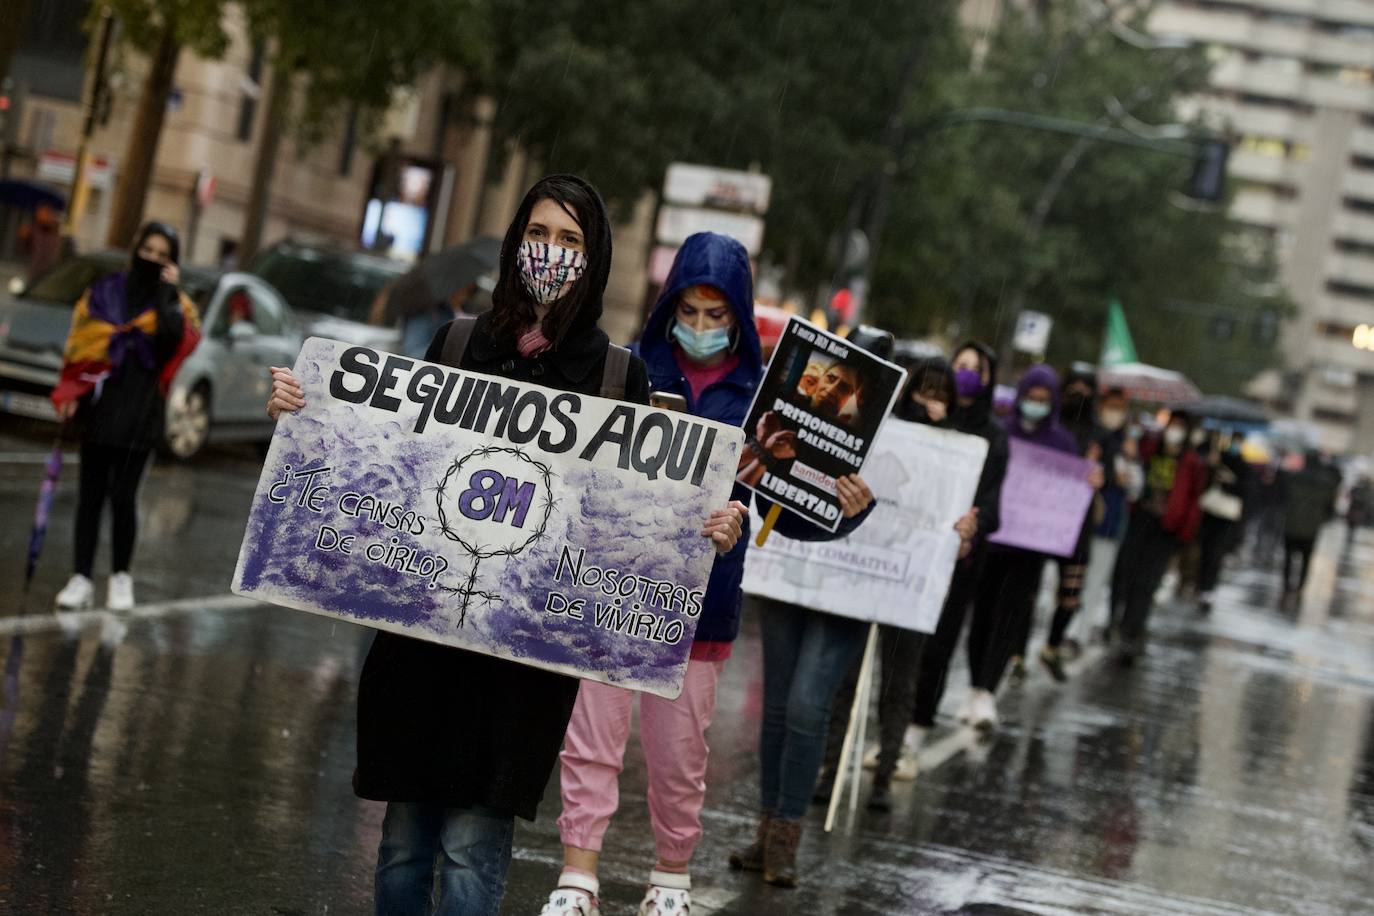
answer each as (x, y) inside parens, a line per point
(1294, 85)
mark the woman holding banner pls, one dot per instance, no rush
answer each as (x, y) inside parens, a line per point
(928, 399)
(806, 655)
(1005, 601)
(975, 374)
(456, 743)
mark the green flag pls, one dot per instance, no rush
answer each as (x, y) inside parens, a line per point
(1117, 346)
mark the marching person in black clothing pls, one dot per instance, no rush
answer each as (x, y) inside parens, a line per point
(975, 375)
(456, 743)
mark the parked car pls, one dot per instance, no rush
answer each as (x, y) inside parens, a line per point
(332, 289)
(219, 392)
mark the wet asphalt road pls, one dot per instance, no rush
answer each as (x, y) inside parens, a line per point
(195, 756)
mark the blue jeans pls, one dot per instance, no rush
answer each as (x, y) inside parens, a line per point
(476, 847)
(806, 655)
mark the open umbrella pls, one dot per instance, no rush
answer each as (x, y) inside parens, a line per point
(1150, 384)
(28, 195)
(1229, 412)
(52, 469)
(440, 275)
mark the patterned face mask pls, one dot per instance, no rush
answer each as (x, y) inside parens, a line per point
(549, 271)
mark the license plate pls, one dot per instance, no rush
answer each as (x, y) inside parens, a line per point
(27, 405)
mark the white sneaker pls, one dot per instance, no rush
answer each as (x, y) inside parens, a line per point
(983, 711)
(575, 896)
(121, 594)
(909, 764)
(667, 894)
(78, 593)
(871, 758)
(965, 714)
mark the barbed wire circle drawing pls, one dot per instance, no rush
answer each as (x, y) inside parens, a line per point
(460, 529)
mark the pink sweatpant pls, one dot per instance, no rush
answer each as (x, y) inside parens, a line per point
(673, 735)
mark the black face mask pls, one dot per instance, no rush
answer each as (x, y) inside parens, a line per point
(1076, 406)
(144, 277)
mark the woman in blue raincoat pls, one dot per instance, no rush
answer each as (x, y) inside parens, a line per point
(700, 344)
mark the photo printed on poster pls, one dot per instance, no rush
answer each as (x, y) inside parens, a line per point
(814, 418)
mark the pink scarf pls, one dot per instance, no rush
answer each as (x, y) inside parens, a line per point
(532, 343)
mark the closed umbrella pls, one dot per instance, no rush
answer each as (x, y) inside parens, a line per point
(52, 469)
(440, 275)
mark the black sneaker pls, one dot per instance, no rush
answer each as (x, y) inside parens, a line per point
(880, 799)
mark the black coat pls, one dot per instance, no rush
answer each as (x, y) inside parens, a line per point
(977, 420)
(129, 413)
(448, 726)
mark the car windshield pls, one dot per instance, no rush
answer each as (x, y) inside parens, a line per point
(65, 283)
(329, 285)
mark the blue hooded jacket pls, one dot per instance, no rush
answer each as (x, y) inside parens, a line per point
(710, 259)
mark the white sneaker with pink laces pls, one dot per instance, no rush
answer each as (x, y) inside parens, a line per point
(575, 896)
(667, 894)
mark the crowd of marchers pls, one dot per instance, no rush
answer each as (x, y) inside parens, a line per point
(1168, 490)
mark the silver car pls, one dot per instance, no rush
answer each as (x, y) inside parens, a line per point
(219, 392)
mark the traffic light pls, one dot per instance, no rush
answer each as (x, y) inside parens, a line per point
(1208, 181)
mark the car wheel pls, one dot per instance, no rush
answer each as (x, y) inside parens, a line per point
(188, 423)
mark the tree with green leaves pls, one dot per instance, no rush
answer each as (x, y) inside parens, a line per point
(159, 29)
(998, 216)
(330, 57)
(801, 90)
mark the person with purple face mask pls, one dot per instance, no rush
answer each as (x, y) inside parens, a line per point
(975, 375)
(1005, 601)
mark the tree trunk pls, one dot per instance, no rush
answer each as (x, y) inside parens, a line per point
(136, 171)
(273, 125)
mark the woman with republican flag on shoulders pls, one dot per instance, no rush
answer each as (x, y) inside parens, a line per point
(130, 333)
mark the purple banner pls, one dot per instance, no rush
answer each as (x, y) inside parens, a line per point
(1045, 498)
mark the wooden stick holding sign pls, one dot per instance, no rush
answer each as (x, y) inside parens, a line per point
(769, 521)
(852, 751)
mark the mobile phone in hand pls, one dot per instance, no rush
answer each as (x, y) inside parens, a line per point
(667, 400)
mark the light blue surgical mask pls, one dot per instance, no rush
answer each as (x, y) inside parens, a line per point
(1034, 411)
(701, 345)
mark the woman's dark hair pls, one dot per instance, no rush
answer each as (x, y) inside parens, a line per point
(513, 309)
(923, 374)
(164, 230)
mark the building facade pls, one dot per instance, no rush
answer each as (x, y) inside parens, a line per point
(214, 123)
(1293, 84)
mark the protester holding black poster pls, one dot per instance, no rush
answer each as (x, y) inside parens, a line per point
(806, 653)
(456, 743)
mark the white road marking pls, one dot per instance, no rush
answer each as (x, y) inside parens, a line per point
(74, 621)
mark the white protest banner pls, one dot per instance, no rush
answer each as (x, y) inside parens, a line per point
(895, 568)
(814, 418)
(554, 529)
(1045, 497)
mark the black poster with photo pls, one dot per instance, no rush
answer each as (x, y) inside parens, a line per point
(814, 419)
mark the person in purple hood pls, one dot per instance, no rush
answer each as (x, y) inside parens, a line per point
(1005, 600)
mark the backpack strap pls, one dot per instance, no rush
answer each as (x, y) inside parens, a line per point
(456, 340)
(617, 368)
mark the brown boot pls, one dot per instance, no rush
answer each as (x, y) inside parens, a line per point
(780, 852)
(750, 858)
